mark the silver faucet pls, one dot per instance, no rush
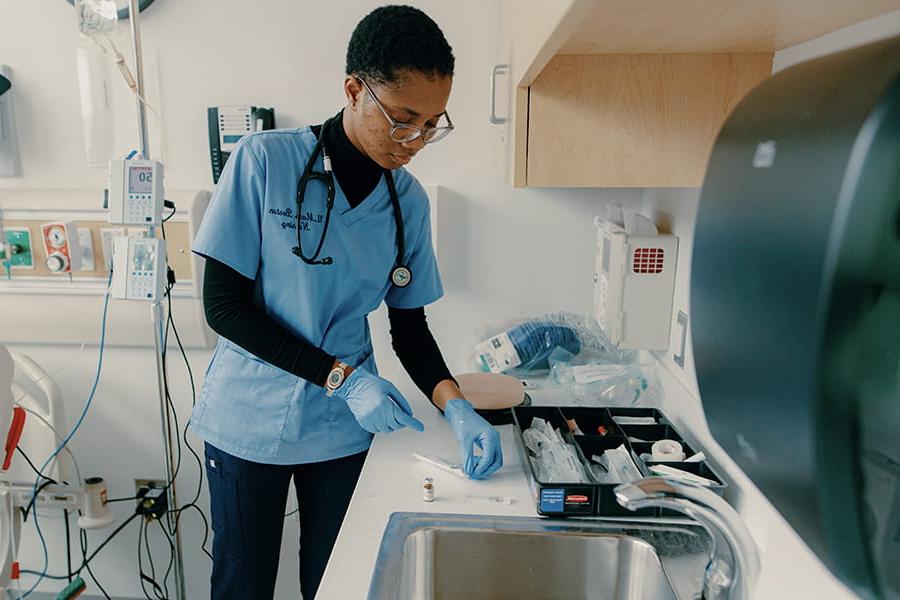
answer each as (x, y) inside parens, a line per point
(734, 561)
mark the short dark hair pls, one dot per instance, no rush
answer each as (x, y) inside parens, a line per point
(393, 39)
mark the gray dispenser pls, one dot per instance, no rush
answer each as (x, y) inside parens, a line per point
(795, 297)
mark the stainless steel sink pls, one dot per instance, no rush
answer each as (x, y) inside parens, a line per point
(426, 556)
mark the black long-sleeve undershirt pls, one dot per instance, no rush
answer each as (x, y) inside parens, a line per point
(232, 313)
(417, 349)
(228, 299)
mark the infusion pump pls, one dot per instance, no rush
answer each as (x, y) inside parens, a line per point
(136, 193)
(139, 268)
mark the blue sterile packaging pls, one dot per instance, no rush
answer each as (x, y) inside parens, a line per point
(527, 345)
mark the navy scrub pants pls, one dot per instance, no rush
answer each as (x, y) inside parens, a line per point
(248, 504)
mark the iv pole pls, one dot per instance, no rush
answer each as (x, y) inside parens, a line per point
(156, 310)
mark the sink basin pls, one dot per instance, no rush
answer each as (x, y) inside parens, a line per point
(426, 556)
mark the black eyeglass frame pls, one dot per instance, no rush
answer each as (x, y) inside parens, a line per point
(415, 132)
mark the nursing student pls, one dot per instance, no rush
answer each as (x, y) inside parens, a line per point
(308, 232)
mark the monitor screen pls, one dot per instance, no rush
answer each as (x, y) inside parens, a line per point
(140, 180)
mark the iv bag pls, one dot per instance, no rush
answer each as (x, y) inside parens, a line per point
(96, 17)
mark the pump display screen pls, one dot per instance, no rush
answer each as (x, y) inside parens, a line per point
(140, 180)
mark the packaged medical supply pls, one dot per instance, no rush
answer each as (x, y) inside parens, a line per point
(621, 420)
(667, 471)
(554, 459)
(442, 464)
(616, 466)
(609, 384)
(699, 457)
(526, 345)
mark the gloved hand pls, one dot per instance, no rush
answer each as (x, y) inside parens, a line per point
(377, 405)
(472, 430)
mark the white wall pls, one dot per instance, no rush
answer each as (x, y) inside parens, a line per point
(504, 253)
(510, 252)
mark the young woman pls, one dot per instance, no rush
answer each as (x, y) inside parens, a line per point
(308, 232)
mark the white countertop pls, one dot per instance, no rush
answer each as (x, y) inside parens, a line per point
(391, 481)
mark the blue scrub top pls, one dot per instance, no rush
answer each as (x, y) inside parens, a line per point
(248, 407)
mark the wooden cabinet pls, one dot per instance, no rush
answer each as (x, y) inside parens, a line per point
(632, 93)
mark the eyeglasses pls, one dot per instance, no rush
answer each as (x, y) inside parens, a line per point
(403, 133)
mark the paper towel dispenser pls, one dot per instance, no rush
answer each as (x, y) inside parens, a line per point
(795, 297)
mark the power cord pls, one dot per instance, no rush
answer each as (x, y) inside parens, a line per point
(31, 464)
(83, 543)
(31, 503)
(157, 590)
(170, 323)
(68, 546)
(171, 558)
(86, 560)
(65, 441)
(161, 592)
(191, 449)
(169, 204)
(150, 557)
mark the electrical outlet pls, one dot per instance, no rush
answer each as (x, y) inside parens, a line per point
(151, 497)
(148, 483)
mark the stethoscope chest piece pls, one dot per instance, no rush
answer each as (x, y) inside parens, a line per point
(401, 276)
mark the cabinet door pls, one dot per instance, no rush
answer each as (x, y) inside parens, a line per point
(533, 31)
(633, 120)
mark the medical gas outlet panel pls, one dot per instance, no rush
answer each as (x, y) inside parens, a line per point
(16, 249)
(33, 223)
(136, 193)
(62, 245)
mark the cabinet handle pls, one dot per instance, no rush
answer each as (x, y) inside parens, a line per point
(494, 118)
(683, 321)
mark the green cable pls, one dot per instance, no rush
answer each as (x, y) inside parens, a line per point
(73, 590)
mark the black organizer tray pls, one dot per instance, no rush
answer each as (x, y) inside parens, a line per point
(598, 499)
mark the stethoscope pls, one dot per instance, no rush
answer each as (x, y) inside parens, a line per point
(400, 274)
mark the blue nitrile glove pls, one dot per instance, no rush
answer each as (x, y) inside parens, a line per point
(377, 405)
(472, 430)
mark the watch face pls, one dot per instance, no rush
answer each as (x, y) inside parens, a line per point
(401, 276)
(335, 378)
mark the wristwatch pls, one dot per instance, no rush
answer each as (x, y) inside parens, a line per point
(335, 378)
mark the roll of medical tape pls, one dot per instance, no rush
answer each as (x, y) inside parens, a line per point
(667, 451)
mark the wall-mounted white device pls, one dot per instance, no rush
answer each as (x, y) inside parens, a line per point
(139, 268)
(227, 125)
(10, 165)
(135, 192)
(62, 246)
(634, 280)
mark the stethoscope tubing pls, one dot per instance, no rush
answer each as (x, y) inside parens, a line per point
(326, 177)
